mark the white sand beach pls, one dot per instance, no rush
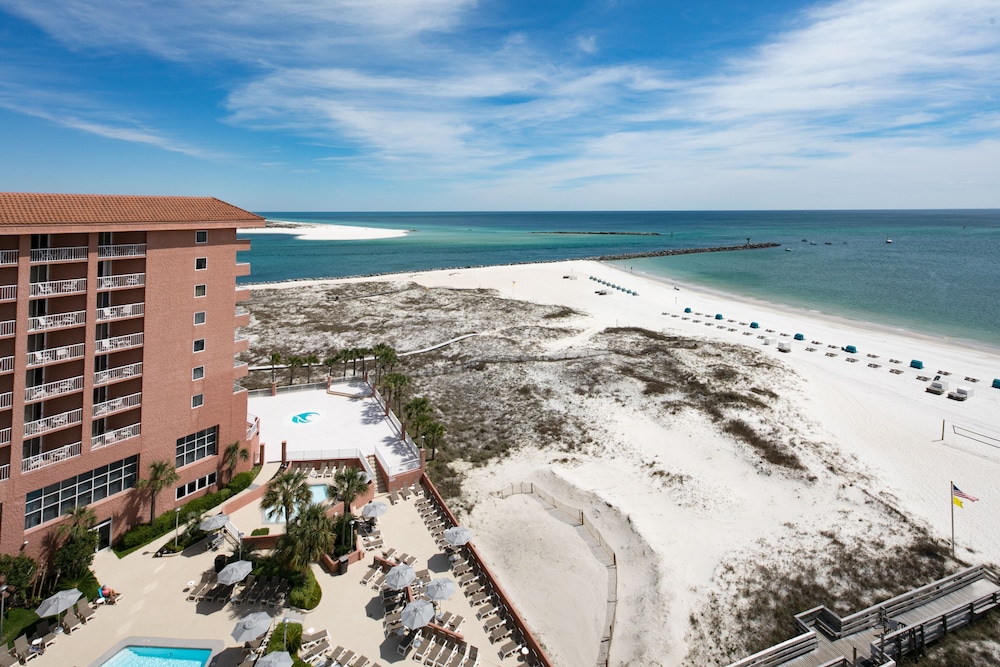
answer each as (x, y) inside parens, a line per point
(683, 505)
(311, 232)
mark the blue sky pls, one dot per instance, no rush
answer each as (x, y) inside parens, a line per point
(379, 105)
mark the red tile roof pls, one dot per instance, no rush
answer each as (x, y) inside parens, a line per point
(20, 208)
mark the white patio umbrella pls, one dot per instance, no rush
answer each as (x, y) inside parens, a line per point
(457, 535)
(234, 572)
(415, 615)
(58, 603)
(213, 522)
(276, 659)
(400, 577)
(251, 626)
(440, 589)
(374, 510)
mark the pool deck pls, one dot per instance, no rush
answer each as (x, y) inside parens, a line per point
(154, 602)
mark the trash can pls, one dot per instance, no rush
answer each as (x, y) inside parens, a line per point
(220, 562)
(344, 562)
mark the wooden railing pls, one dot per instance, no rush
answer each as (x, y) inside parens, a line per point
(781, 653)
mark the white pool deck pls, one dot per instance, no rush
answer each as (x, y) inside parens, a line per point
(320, 425)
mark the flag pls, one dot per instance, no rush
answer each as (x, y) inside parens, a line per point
(957, 501)
(958, 493)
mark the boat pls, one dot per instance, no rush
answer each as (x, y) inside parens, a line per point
(888, 240)
(788, 249)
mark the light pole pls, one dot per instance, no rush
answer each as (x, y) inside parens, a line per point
(3, 596)
(241, 546)
(177, 519)
(351, 545)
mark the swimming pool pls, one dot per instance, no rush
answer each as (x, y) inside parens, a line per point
(319, 497)
(157, 656)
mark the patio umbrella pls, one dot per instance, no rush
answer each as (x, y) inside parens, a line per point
(251, 626)
(213, 522)
(440, 589)
(276, 659)
(400, 577)
(58, 603)
(415, 615)
(234, 572)
(457, 536)
(374, 510)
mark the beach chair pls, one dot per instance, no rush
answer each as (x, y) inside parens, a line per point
(393, 498)
(434, 653)
(23, 651)
(500, 633)
(335, 654)
(456, 658)
(404, 493)
(8, 660)
(369, 575)
(374, 544)
(491, 623)
(468, 579)
(346, 657)
(474, 589)
(456, 622)
(483, 612)
(481, 597)
(409, 640)
(426, 643)
(361, 661)
(198, 589)
(84, 611)
(45, 633)
(71, 622)
(380, 582)
(316, 649)
(509, 649)
(471, 657)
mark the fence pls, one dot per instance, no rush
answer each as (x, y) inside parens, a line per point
(529, 488)
(333, 455)
(288, 389)
(981, 438)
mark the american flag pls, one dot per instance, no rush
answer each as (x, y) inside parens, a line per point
(958, 493)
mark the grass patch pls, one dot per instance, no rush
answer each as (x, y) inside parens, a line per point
(770, 450)
(16, 622)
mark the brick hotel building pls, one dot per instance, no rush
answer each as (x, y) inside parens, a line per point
(118, 336)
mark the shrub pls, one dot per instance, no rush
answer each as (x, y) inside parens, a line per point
(85, 582)
(74, 558)
(306, 594)
(19, 571)
(242, 480)
(287, 638)
(260, 531)
(139, 536)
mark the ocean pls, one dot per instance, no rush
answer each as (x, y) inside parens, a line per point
(940, 276)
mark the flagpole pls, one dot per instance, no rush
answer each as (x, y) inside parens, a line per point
(952, 488)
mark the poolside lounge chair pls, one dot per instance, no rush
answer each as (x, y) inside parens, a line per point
(24, 652)
(393, 498)
(493, 622)
(509, 649)
(371, 545)
(310, 640)
(500, 633)
(369, 575)
(44, 632)
(471, 657)
(427, 642)
(361, 661)
(380, 582)
(7, 660)
(316, 649)
(346, 657)
(409, 640)
(84, 611)
(404, 493)
(71, 622)
(197, 592)
(434, 653)
(336, 653)
(474, 589)
(456, 622)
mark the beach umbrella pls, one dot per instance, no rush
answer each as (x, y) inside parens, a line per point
(235, 572)
(400, 577)
(213, 522)
(252, 626)
(415, 615)
(58, 603)
(440, 589)
(276, 659)
(374, 510)
(457, 536)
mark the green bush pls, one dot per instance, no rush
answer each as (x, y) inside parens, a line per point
(307, 594)
(139, 536)
(243, 480)
(287, 638)
(260, 531)
(74, 558)
(18, 571)
(86, 583)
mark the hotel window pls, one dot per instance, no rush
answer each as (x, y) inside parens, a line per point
(201, 236)
(196, 446)
(200, 263)
(198, 372)
(53, 501)
(196, 485)
(197, 400)
(199, 345)
(200, 290)
(199, 317)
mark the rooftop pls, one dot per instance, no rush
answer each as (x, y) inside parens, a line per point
(21, 208)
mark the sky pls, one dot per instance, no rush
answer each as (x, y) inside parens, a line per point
(462, 105)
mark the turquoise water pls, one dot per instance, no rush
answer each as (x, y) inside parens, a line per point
(319, 497)
(940, 276)
(153, 656)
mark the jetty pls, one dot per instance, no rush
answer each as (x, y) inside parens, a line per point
(681, 251)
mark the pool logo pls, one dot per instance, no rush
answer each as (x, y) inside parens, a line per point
(304, 417)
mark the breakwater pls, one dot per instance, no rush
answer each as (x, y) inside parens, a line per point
(680, 251)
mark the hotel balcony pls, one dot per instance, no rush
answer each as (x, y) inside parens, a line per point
(121, 312)
(8, 257)
(119, 343)
(241, 343)
(7, 328)
(66, 353)
(242, 295)
(57, 321)
(50, 389)
(121, 251)
(55, 255)
(58, 287)
(6, 400)
(112, 437)
(4, 472)
(53, 423)
(117, 374)
(242, 268)
(242, 316)
(6, 365)
(252, 427)
(5, 436)
(48, 458)
(8, 293)
(237, 389)
(114, 405)
(124, 281)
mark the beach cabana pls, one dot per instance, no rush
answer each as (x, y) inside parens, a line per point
(850, 349)
(996, 383)
(799, 337)
(916, 363)
(718, 316)
(754, 325)
(687, 310)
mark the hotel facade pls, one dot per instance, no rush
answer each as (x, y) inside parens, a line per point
(119, 330)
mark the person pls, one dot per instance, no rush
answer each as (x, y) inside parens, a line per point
(110, 595)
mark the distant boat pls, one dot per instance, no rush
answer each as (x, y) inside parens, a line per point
(827, 243)
(788, 249)
(888, 240)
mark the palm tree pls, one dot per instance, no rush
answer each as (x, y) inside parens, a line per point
(307, 538)
(309, 360)
(364, 352)
(345, 356)
(434, 435)
(329, 362)
(293, 363)
(232, 455)
(414, 411)
(288, 491)
(161, 475)
(348, 484)
(385, 357)
(396, 382)
(275, 360)
(78, 523)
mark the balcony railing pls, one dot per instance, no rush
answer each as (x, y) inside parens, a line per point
(121, 251)
(6, 400)
(4, 472)
(7, 365)
(40, 426)
(237, 389)
(252, 427)
(5, 436)
(8, 257)
(118, 373)
(58, 287)
(117, 405)
(119, 312)
(59, 254)
(119, 342)
(57, 321)
(8, 292)
(7, 328)
(126, 280)
(111, 437)
(240, 337)
(56, 388)
(48, 458)
(55, 354)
